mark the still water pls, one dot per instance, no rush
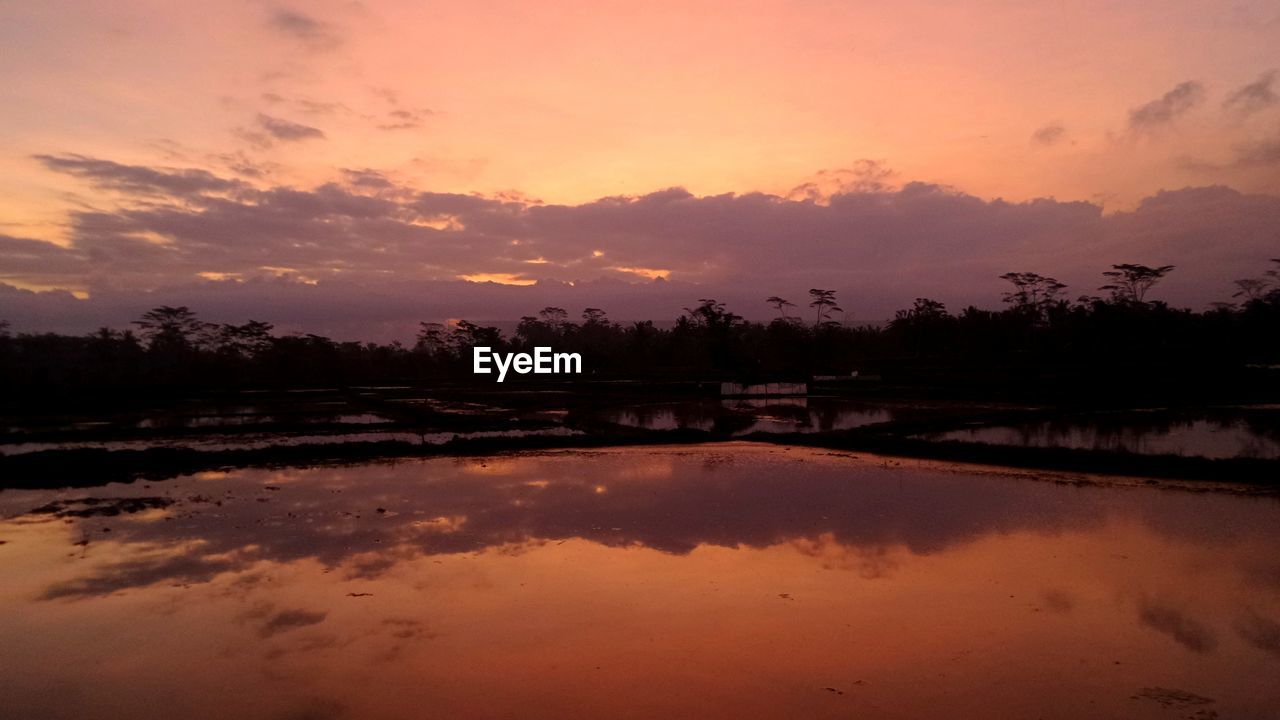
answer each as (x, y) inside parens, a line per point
(719, 581)
(741, 416)
(259, 441)
(1212, 435)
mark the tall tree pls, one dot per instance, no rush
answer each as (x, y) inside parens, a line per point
(780, 305)
(1250, 289)
(1130, 282)
(432, 337)
(553, 316)
(711, 313)
(171, 328)
(825, 302)
(248, 340)
(1032, 292)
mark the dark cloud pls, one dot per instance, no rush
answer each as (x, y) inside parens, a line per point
(374, 253)
(1168, 107)
(110, 175)
(304, 28)
(1048, 135)
(366, 179)
(287, 130)
(22, 258)
(1257, 95)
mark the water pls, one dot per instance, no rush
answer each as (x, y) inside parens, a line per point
(1212, 436)
(261, 441)
(716, 581)
(743, 416)
(241, 419)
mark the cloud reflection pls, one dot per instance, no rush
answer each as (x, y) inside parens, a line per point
(847, 514)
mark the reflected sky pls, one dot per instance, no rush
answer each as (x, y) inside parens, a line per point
(1213, 435)
(259, 441)
(725, 581)
(741, 416)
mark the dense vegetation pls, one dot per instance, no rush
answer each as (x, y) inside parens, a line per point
(1040, 339)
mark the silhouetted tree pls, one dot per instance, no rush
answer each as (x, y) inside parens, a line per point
(923, 309)
(432, 337)
(467, 334)
(554, 316)
(170, 328)
(825, 302)
(1250, 289)
(248, 340)
(1131, 282)
(711, 313)
(780, 305)
(1032, 293)
(1094, 346)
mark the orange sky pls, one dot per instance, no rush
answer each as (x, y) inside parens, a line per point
(575, 100)
(566, 102)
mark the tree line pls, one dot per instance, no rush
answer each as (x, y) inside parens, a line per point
(1039, 335)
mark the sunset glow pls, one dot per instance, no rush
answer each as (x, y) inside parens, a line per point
(150, 146)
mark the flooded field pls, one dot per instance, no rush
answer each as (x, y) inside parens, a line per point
(218, 443)
(1212, 436)
(747, 415)
(729, 580)
(255, 421)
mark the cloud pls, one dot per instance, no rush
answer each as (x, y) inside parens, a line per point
(286, 130)
(404, 119)
(138, 179)
(306, 105)
(1162, 111)
(24, 258)
(865, 175)
(313, 33)
(366, 179)
(1048, 135)
(1253, 97)
(368, 254)
(1259, 153)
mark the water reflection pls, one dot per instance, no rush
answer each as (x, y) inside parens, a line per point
(1212, 435)
(175, 421)
(741, 416)
(259, 441)
(741, 581)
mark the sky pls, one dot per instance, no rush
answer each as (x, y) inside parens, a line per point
(353, 167)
